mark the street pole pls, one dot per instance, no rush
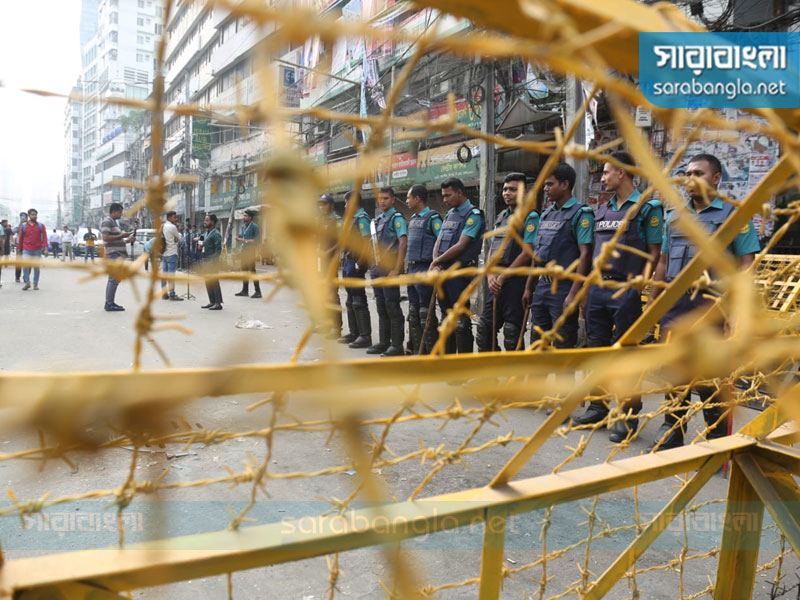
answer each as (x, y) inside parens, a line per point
(391, 138)
(573, 108)
(488, 165)
(187, 155)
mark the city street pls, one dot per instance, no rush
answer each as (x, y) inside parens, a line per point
(62, 327)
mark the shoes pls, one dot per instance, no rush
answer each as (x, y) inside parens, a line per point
(622, 429)
(17, 281)
(361, 341)
(347, 339)
(673, 440)
(393, 351)
(26, 287)
(36, 287)
(113, 307)
(175, 298)
(165, 296)
(377, 348)
(596, 412)
(216, 307)
(209, 305)
(256, 295)
(242, 293)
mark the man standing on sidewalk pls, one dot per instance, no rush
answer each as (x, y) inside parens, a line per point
(33, 241)
(249, 237)
(169, 254)
(212, 248)
(114, 240)
(66, 239)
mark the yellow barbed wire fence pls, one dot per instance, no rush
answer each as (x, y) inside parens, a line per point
(383, 416)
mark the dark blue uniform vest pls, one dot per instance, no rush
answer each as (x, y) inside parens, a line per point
(420, 239)
(606, 224)
(680, 249)
(453, 225)
(513, 249)
(386, 235)
(556, 240)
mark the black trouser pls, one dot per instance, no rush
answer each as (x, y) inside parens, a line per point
(214, 291)
(249, 264)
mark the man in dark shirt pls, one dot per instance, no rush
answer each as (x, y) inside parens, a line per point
(5, 239)
(212, 248)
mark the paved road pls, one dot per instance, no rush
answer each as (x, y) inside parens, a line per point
(62, 327)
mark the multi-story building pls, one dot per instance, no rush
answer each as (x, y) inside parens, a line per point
(118, 62)
(72, 191)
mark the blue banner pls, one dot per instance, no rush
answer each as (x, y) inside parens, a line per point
(720, 70)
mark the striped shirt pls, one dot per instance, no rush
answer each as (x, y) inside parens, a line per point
(110, 226)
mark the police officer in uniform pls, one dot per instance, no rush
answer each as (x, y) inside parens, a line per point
(608, 314)
(676, 252)
(331, 226)
(356, 304)
(566, 233)
(503, 307)
(424, 228)
(460, 241)
(392, 240)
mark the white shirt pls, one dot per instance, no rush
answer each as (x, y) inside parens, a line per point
(55, 236)
(172, 237)
(67, 237)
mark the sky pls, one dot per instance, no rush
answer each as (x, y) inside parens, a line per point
(40, 48)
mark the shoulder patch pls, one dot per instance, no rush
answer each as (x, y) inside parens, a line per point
(584, 222)
(530, 227)
(745, 229)
(437, 225)
(361, 224)
(470, 221)
(654, 222)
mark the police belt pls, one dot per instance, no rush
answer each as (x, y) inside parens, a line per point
(613, 278)
(419, 262)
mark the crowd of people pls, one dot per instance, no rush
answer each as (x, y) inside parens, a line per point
(565, 231)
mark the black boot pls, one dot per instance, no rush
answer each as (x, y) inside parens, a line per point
(712, 416)
(396, 329)
(622, 429)
(364, 339)
(245, 291)
(511, 334)
(485, 336)
(414, 329)
(670, 434)
(384, 328)
(430, 328)
(352, 325)
(596, 412)
(464, 339)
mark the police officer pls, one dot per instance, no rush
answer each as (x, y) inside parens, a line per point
(460, 241)
(566, 232)
(424, 227)
(676, 252)
(503, 307)
(329, 244)
(609, 314)
(391, 236)
(356, 304)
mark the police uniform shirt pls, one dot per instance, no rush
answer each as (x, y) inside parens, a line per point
(650, 221)
(745, 242)
(362, 222)
(531, 229)
(435, 224)
(473, 225)
(398, 226)
(582, 222)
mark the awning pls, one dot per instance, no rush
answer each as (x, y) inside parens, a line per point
(521, 113)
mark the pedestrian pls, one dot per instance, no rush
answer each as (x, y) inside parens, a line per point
(424, 228)
(331, 226)
(114, 240)
(33, 241)
(676, 252)
(148, 248)
(391, 237)
(212, 249)
(169, 254)
(609, 311)
(67, 238)
(23, 218)
(566, 234)
(460, 241)
(89, 240)
(249, 237)
(6, 235)
(503, 305)
(355, 267)
(55, 243)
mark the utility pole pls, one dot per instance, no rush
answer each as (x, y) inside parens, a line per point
(391, 139)
(573, 108)
(187, 156)
(488, 165)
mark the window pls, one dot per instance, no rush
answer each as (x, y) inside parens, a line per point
(158, 29)
(75, 120)
(112, 36)
(74, 162)
(74, 133)
(140, 21)
(113, 18)
(75, 148)
(141, 3)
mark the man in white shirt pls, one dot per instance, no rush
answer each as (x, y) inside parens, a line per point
(66, 239)
(169, 254)
(55, 242)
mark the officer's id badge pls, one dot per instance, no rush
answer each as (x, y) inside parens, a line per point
(530, 228)
(654, 222)
(437, 225)
(470, 221)
(585, 223)
(745, 229)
